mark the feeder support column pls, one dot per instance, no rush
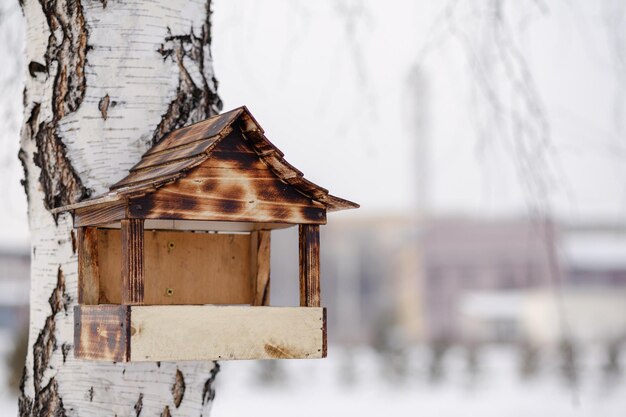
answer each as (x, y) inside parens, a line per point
(88, 271)
(132, 261)
(309, 265)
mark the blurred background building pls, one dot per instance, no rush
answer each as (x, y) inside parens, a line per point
(463, 280)
(14, 286)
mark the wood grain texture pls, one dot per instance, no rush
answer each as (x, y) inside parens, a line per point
(205, 129)
(101, 332)
(167, 333)
(233, 184)
(309, 239)
(179, 150)
(223, 168)
(228, 227)
(260, 244)
(175, 154)
(132, 261)
(158, 172)
(100, 214)
(197, 268)
(88, 269)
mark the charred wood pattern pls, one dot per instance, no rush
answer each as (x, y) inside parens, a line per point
(219, 169)
(233, 184)
(161, 171)
(132, 262)
(207, 129)
(309, 265)
(260, 268)
(88, 269)
(174, 154)
(102, 332)
(96, 215)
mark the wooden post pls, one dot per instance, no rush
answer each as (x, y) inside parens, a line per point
(88, 267)
(260, 267)
(309, 265)
(132, 261)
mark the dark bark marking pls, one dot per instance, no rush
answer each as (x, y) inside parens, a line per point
(59, 180)
(178, 389)
(65, 350)
(21, 155)
(30, 127)
(24, 403)
(35, 68)
(208, 393)
(103, 106)
(33, 119)
(67, 51)
(166, 412)
(46, 341)
(91, 391)
(47, 401)
(138, 405)
(193, 102)
(73, 236)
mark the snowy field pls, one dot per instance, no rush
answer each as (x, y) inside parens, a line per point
(360, 383)
(492, 388)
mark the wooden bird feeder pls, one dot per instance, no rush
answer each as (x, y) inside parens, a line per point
(174, 261)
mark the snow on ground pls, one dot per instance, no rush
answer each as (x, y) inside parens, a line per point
(323, 388)
(315, 388)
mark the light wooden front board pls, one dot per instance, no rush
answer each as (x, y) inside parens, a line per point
(168, 333)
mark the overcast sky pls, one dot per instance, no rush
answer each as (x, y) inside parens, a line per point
(333, 84)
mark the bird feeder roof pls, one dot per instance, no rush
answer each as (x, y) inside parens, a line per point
(234, 137)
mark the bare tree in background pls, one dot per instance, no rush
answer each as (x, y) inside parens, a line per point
(507, 108)
(614, 13)
(104, 81)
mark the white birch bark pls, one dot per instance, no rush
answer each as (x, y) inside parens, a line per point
(105, 79)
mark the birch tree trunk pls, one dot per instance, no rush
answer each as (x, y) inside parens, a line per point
(105, 80)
